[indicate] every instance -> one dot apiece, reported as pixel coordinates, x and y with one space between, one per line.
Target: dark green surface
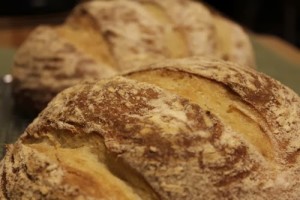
6 58
12 125
277 67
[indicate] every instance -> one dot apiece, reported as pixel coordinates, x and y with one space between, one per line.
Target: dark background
28 7
277 17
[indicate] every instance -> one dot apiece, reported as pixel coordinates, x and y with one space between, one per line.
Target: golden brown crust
277 104
46 64
219 36
101 38
166 141
135 30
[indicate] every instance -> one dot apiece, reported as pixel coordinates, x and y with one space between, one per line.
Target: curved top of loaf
142 30
276 103
102 38
177 148
49 60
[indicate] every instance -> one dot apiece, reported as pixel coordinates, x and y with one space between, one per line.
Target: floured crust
46 64
170 144
102 38
36 173
136 33
219 36
278 104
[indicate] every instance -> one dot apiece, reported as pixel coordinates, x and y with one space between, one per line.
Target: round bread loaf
179 129
102 38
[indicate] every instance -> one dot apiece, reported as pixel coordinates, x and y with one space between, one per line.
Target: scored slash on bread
179 129
102 38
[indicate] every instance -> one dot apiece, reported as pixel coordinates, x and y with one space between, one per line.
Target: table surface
274 56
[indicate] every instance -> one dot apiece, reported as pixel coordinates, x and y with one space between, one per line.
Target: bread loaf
102 38
179 129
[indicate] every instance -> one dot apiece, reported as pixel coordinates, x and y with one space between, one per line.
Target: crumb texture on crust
148 140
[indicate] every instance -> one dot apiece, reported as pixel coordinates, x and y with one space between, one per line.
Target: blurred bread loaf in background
178 129
102 38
